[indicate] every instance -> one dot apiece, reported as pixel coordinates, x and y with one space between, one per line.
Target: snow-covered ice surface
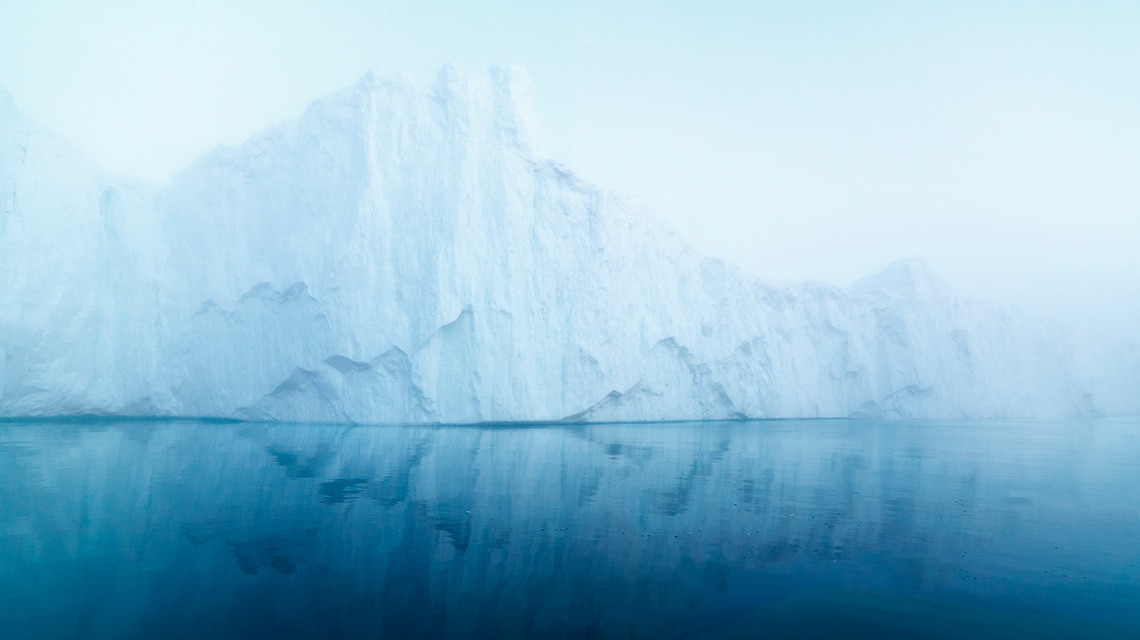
402 253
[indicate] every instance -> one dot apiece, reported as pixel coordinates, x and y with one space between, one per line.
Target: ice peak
375 79
513 82
904 278
503 95
516 92
498 102
7 105
505 81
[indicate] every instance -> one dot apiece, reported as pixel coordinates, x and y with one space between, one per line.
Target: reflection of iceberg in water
204 530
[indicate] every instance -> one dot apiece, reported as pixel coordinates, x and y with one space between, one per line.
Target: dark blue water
799 529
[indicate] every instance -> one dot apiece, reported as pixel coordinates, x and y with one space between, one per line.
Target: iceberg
403 253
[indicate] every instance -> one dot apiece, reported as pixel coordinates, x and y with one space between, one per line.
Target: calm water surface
796 529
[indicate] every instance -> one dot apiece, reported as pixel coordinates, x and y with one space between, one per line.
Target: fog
820 141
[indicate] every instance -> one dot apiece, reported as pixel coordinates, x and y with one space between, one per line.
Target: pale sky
800 140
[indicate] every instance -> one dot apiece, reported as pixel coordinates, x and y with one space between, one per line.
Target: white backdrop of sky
800 140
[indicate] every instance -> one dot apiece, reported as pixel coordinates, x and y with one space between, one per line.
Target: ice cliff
402 253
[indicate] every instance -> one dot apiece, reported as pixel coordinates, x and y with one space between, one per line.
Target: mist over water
738 529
